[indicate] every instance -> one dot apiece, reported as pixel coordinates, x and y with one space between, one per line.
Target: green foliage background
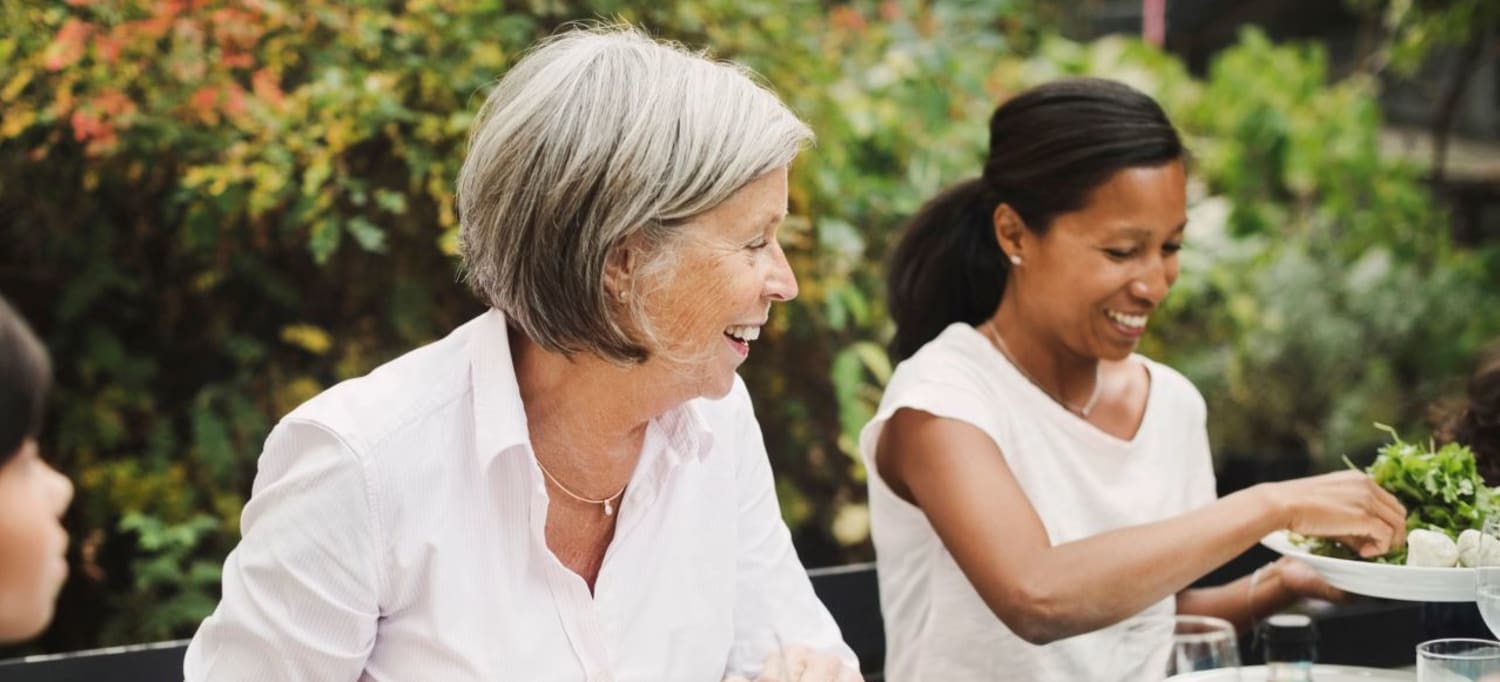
213 209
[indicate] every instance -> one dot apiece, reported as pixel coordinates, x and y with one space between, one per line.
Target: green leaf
369 237
324 240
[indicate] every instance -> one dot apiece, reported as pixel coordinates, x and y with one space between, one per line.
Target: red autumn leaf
234 99
265 86
112 103
87 125
68 45
204 102
107 48
102 143
168 9
236 29
237 60
150 29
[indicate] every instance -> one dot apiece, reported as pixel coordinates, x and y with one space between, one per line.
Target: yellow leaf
307 337
16 84
15 122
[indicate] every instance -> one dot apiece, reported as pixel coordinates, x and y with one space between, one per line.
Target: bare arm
1042 592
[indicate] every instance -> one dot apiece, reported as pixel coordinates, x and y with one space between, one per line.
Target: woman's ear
620 270
1009 229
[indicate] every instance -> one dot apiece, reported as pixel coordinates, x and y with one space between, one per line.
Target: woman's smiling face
728 270
1093 279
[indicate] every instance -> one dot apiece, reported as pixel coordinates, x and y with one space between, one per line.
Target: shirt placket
576 609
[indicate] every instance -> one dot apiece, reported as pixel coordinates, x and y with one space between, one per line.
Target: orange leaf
234 99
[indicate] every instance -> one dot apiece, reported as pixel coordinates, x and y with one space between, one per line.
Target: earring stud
1015 260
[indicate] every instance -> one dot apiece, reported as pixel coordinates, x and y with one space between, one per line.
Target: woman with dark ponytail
1037 488
1477 423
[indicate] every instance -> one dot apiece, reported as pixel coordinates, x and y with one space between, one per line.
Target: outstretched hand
1302 581
1346 505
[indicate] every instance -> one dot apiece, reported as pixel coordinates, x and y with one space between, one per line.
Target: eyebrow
1143 233
772 220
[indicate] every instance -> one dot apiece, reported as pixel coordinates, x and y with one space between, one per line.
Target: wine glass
1179 644
1487 577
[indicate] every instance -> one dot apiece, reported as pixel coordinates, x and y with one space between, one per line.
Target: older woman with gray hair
573 485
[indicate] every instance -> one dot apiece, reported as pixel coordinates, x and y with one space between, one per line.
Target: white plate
1409 583
1321 673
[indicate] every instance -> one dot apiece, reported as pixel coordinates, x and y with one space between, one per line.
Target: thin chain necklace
608 502
994 334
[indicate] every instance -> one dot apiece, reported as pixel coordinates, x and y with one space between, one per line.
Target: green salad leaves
1441 489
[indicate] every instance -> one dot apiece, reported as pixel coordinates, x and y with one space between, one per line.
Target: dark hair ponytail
1477 425
1050 148
25 377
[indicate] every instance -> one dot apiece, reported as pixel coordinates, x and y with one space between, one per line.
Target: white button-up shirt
395 533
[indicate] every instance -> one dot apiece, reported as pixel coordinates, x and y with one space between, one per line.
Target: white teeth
744 333
1132 321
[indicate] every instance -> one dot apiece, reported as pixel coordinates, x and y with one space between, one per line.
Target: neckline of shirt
500 417
1058 414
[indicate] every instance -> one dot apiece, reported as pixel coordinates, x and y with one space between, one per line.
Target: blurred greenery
1414 28
214 209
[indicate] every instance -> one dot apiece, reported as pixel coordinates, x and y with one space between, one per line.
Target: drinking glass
1174 645
1458 660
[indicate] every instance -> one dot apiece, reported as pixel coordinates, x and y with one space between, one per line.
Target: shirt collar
686 432
499 416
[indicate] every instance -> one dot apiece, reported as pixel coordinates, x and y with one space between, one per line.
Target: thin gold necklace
993 333
608 502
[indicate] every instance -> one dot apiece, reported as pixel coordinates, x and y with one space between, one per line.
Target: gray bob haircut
598 135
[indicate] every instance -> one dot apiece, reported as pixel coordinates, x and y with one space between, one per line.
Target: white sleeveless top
1081 480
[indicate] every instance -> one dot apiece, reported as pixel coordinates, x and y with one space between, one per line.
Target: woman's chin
717 389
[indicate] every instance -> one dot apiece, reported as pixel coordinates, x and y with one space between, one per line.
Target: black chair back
155 662
852 595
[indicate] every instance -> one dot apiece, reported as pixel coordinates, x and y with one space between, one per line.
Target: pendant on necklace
608 509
